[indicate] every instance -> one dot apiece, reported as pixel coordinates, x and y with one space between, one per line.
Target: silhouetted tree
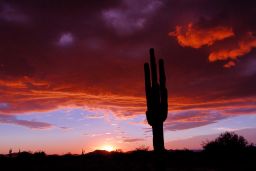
157 100
227 142
10 152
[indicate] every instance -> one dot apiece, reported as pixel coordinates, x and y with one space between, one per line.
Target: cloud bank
101 49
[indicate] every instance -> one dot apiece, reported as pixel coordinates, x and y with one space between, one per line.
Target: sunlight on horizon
108 148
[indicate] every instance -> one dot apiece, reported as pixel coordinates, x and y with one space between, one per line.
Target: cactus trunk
157 100
158 137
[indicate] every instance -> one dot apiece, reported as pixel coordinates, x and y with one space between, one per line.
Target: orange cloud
21 99
243 47
196 37
29 95
230 64
22 83
39 96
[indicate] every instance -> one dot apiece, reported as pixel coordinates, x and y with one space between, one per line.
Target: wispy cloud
133 140
8 119
94 116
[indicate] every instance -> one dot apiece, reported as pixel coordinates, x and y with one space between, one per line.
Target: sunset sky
71 72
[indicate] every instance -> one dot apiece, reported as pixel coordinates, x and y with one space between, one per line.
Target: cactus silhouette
157 100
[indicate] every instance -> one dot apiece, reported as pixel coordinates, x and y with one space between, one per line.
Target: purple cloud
66 39
10 119
191 119
133 139
130 16
10 14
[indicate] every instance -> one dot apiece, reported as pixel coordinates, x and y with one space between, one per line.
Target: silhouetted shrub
227 142
118 151
24 154
142 148
40 154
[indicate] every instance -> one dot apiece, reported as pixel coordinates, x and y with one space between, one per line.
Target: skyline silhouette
228 151
72 77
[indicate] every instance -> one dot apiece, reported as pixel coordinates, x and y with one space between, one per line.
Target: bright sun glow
108 148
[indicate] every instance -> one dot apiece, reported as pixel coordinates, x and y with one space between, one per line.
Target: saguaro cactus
157 100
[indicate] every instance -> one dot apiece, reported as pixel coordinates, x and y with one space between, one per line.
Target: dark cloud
131 15
9 13
91 54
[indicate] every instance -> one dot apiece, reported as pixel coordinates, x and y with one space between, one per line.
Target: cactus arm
164 105
155 90
147 84
149 118
163 91
153 67
148 93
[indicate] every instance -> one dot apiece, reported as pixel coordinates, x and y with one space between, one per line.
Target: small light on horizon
107 148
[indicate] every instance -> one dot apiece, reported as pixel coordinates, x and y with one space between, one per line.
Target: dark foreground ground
136 160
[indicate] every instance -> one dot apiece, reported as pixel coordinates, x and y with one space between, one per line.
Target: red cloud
196 37
244 45
28 95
